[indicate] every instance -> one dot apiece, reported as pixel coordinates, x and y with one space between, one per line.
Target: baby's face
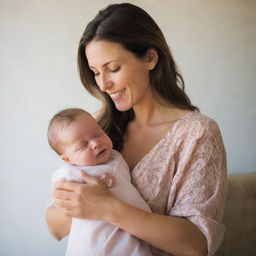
85 143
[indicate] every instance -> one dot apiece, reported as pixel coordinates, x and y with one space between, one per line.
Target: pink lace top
185 175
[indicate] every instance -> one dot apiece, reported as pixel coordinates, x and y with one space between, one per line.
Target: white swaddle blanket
97 237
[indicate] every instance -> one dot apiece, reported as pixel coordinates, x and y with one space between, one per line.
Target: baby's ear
64 158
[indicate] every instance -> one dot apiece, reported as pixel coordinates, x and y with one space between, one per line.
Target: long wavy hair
137 32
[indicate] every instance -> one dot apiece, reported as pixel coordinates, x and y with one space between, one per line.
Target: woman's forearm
58 224
91 200
174 235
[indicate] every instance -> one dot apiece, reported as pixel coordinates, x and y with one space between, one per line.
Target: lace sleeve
200 182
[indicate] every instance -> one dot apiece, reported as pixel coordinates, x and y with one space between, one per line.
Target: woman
175 154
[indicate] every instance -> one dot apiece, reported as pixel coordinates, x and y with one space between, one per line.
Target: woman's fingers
62 194
89 179
67 212
66 185
75 186
107 179
62 203
82 200
65 206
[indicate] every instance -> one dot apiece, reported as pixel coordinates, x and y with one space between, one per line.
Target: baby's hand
107 180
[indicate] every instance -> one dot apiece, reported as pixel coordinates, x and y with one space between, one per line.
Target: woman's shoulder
195 117
195 124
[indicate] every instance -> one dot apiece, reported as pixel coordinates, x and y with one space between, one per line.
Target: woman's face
120 73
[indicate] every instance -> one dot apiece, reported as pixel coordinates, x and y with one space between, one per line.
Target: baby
75 135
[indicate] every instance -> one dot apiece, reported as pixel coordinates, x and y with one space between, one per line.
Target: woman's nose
105 83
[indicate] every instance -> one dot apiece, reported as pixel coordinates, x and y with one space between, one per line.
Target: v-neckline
153 149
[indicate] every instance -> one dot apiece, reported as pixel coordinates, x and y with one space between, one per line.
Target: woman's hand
89 200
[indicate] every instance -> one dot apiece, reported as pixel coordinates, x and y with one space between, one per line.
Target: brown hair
136 31
62 119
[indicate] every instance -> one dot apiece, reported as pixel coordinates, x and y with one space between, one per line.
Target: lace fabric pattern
185 175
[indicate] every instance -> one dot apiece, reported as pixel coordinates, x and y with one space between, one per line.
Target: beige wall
213 42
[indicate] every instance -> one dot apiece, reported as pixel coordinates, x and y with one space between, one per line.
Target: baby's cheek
109 142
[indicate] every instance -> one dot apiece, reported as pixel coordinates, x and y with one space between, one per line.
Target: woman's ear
151 58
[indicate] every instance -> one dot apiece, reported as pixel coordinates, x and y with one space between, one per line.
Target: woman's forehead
104 52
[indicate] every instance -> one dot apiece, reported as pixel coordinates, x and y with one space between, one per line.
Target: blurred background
213 43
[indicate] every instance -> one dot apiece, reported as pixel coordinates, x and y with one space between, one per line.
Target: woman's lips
117 95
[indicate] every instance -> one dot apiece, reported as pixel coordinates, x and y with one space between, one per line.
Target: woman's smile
117 95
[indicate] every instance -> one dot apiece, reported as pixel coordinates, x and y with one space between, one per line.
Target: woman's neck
152 113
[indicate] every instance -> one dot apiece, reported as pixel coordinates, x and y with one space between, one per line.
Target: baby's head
77 138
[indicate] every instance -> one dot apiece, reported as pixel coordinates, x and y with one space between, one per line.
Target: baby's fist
107 180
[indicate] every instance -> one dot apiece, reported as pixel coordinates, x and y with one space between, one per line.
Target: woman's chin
122 107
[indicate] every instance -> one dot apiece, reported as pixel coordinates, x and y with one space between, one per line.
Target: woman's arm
58 223
175 235
93 201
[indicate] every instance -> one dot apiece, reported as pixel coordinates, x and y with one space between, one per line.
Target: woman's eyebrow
105 64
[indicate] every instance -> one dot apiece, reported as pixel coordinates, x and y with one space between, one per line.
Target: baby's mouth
101 152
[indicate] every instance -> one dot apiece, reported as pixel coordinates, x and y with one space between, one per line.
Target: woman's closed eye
115 69
96 74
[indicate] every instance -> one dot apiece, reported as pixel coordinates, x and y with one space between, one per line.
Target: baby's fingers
108 180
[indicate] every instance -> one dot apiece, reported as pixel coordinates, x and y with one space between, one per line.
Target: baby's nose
95 144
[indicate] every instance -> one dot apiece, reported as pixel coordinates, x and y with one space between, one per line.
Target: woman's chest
150 156
153 176
139 142
135 149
